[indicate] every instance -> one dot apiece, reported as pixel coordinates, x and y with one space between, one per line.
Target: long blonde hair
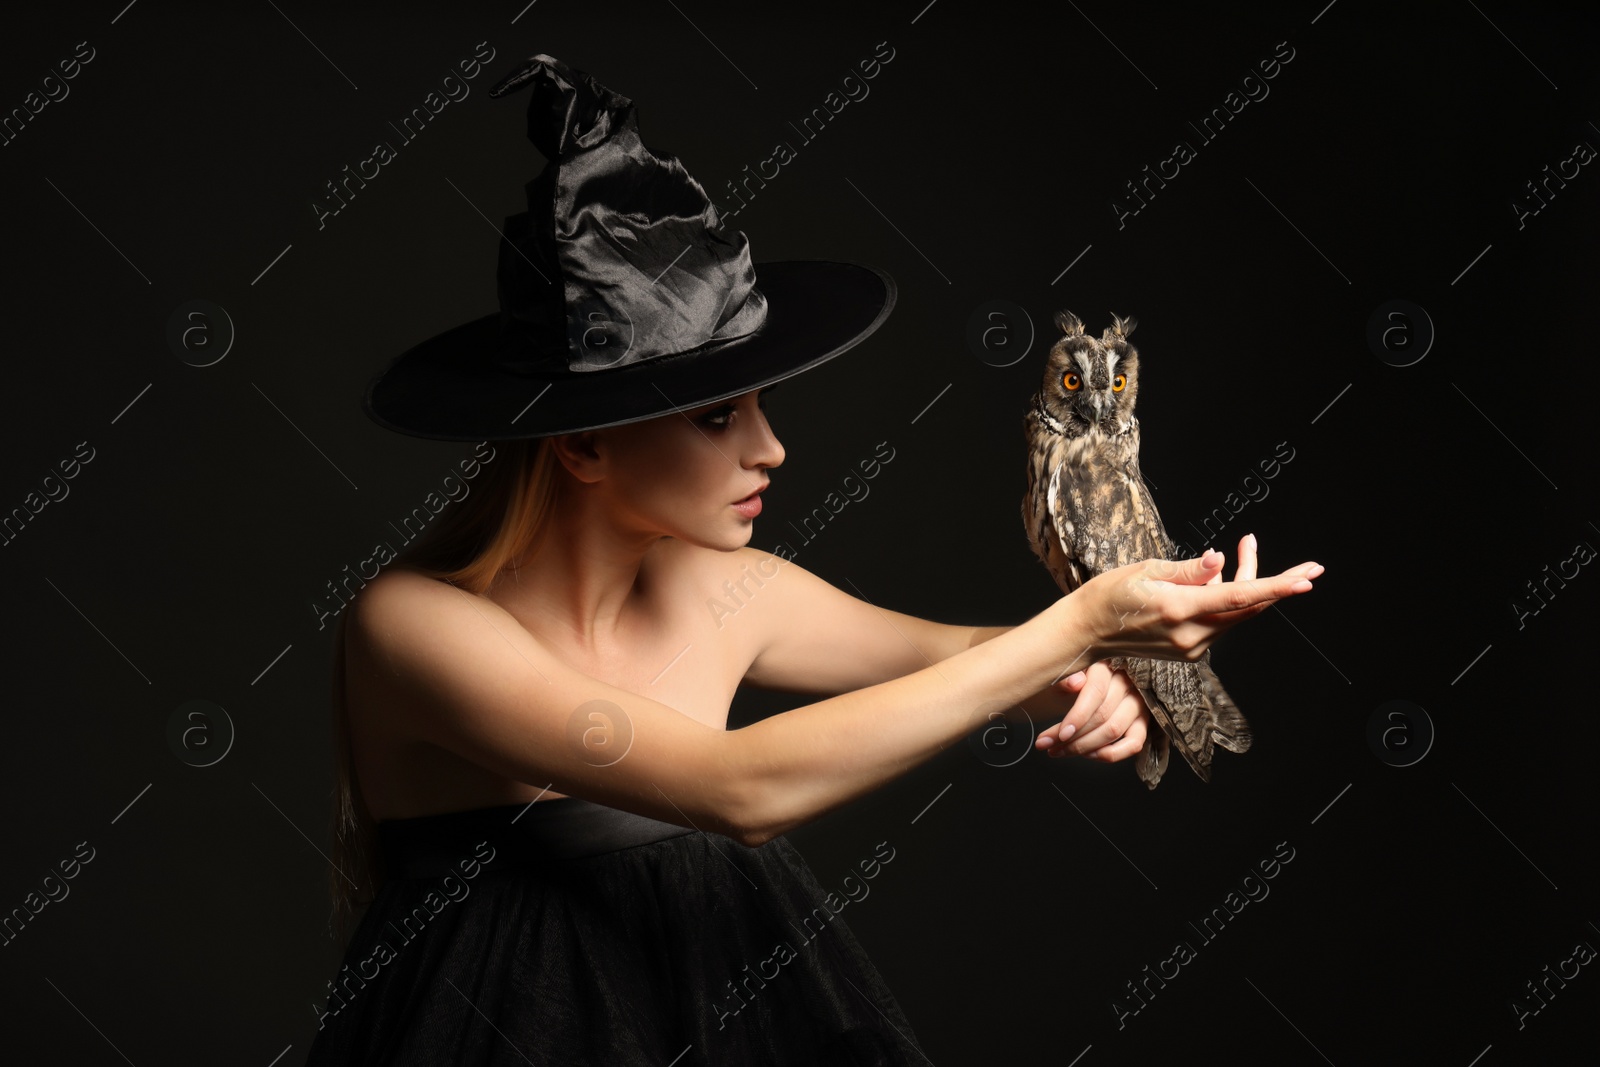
468 546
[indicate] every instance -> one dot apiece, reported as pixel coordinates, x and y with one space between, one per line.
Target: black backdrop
986 166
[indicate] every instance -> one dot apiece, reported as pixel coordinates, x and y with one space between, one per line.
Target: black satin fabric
624 294
621 257
582 935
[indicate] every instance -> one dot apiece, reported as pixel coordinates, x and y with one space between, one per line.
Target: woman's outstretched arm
813 637
882 731
459 673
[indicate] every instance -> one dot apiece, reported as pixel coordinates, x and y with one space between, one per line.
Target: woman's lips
750 506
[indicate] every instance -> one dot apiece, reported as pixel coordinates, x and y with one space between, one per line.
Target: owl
1088 510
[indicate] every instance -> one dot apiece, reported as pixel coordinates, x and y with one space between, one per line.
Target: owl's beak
1098 400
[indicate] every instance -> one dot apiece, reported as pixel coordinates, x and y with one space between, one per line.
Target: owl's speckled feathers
1088 510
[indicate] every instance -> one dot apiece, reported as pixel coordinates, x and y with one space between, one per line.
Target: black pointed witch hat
622 295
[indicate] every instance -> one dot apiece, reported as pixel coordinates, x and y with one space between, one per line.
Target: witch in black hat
566 856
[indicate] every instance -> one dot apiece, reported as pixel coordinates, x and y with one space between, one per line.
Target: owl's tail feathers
1151 763
1228 726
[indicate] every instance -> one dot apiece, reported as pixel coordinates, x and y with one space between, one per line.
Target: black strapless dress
567 933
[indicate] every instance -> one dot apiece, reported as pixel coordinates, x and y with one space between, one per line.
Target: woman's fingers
1072 683
1246 571
1115 725
1174 609
1232 597
1209 611
1111 706
1096 697
1303 570
1095 701
1129 745
1247 559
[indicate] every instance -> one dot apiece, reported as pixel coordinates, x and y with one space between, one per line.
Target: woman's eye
722 417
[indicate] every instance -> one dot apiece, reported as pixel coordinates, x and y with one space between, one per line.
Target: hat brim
441 390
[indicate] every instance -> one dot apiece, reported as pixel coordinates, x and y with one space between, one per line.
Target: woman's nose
768 450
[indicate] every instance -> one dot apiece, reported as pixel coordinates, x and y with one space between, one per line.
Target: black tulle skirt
568 933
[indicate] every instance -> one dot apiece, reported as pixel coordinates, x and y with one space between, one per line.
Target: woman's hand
1166 609
1108 721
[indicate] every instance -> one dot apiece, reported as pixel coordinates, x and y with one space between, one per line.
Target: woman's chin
724 537
739 535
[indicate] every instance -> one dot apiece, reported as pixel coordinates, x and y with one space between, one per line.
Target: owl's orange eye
1118 383
1072 382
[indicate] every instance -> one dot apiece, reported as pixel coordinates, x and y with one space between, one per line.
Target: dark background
985 160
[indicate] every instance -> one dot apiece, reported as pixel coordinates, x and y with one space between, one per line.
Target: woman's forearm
980 634
1050 704
803 763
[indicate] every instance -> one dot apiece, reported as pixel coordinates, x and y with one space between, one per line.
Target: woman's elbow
752 816
759 802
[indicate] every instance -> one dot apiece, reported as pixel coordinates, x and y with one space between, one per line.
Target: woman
573 860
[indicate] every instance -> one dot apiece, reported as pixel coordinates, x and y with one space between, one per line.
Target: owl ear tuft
1071 325
1120 327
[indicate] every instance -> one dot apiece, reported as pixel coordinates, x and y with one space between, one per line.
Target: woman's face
681 474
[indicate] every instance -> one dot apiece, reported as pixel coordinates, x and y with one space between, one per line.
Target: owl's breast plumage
1089 508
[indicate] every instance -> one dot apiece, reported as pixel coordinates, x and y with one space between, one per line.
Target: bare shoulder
691 572
397 595
403 612
728 582
725 599
469 706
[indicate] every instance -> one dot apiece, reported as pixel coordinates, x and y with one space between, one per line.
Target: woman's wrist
1073 621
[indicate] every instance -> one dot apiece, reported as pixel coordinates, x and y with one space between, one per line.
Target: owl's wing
1118 505
1104 518
1144 505
1151 762
1070 572
1186 699
1171 690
